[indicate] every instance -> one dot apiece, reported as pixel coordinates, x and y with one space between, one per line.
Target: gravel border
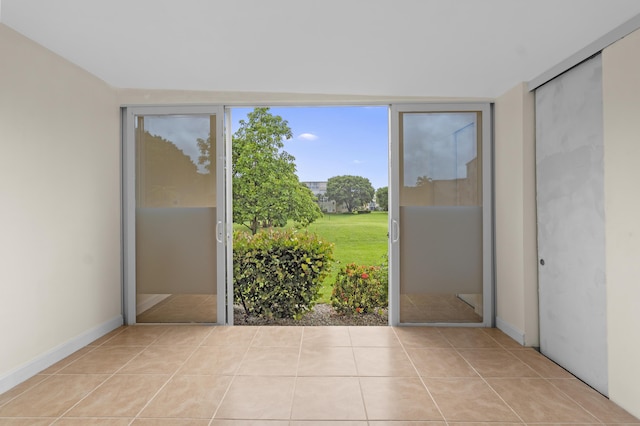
321 314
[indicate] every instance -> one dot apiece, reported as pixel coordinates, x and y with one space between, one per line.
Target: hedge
278 274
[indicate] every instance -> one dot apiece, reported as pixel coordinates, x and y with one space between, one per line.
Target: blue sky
333 141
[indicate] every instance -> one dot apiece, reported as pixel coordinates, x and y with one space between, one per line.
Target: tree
352 191
266 189
382 198
423 180
170 176
305 207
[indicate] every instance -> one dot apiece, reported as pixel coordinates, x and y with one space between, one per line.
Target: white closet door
571 234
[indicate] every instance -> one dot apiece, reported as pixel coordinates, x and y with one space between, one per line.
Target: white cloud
307 136
358 161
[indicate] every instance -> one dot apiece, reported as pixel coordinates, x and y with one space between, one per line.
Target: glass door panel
439 213
177 220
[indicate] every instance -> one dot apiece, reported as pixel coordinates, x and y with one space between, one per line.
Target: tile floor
414 308
182 308
434 307
306 376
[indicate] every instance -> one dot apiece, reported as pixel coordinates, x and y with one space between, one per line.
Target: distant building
319 189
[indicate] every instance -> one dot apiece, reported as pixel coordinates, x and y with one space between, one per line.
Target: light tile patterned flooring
182 308
306 376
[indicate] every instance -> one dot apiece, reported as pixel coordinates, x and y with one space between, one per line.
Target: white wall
60 207
516 251
621 109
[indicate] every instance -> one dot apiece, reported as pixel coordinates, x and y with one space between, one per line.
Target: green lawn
358 238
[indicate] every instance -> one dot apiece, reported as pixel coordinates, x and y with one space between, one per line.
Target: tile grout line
164 385
548 380
404 349
573 377
536 376
295 378
49 376
110 376
355 363
484 380
57 372
235 374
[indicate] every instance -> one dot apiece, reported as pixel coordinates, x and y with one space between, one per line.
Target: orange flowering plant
360 289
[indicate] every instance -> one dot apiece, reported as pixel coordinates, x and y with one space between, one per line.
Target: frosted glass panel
440 217
175 256
175 218
446 242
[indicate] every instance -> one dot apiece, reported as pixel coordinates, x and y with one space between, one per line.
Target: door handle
218 232
395 231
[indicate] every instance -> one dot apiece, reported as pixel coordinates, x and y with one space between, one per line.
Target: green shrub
278 274
361 289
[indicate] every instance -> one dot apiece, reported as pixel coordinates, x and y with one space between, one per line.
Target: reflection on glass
440 217
175 219
440 159
174 162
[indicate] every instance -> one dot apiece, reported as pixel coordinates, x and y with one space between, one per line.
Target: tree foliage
266 189
352 191
423 180
382 198
170 176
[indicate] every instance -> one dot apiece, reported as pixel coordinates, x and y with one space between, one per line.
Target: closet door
571 237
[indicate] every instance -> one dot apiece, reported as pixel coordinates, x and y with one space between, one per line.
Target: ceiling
436 48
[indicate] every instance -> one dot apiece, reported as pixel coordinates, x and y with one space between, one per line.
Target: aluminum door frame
488 281
128 155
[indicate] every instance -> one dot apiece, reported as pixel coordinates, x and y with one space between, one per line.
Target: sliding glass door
177 215
174 215
441 237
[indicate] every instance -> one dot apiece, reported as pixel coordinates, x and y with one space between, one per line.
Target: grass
358 238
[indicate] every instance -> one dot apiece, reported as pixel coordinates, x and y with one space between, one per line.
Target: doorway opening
338 156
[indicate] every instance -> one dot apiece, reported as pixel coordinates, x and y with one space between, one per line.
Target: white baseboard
47 359
510 331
